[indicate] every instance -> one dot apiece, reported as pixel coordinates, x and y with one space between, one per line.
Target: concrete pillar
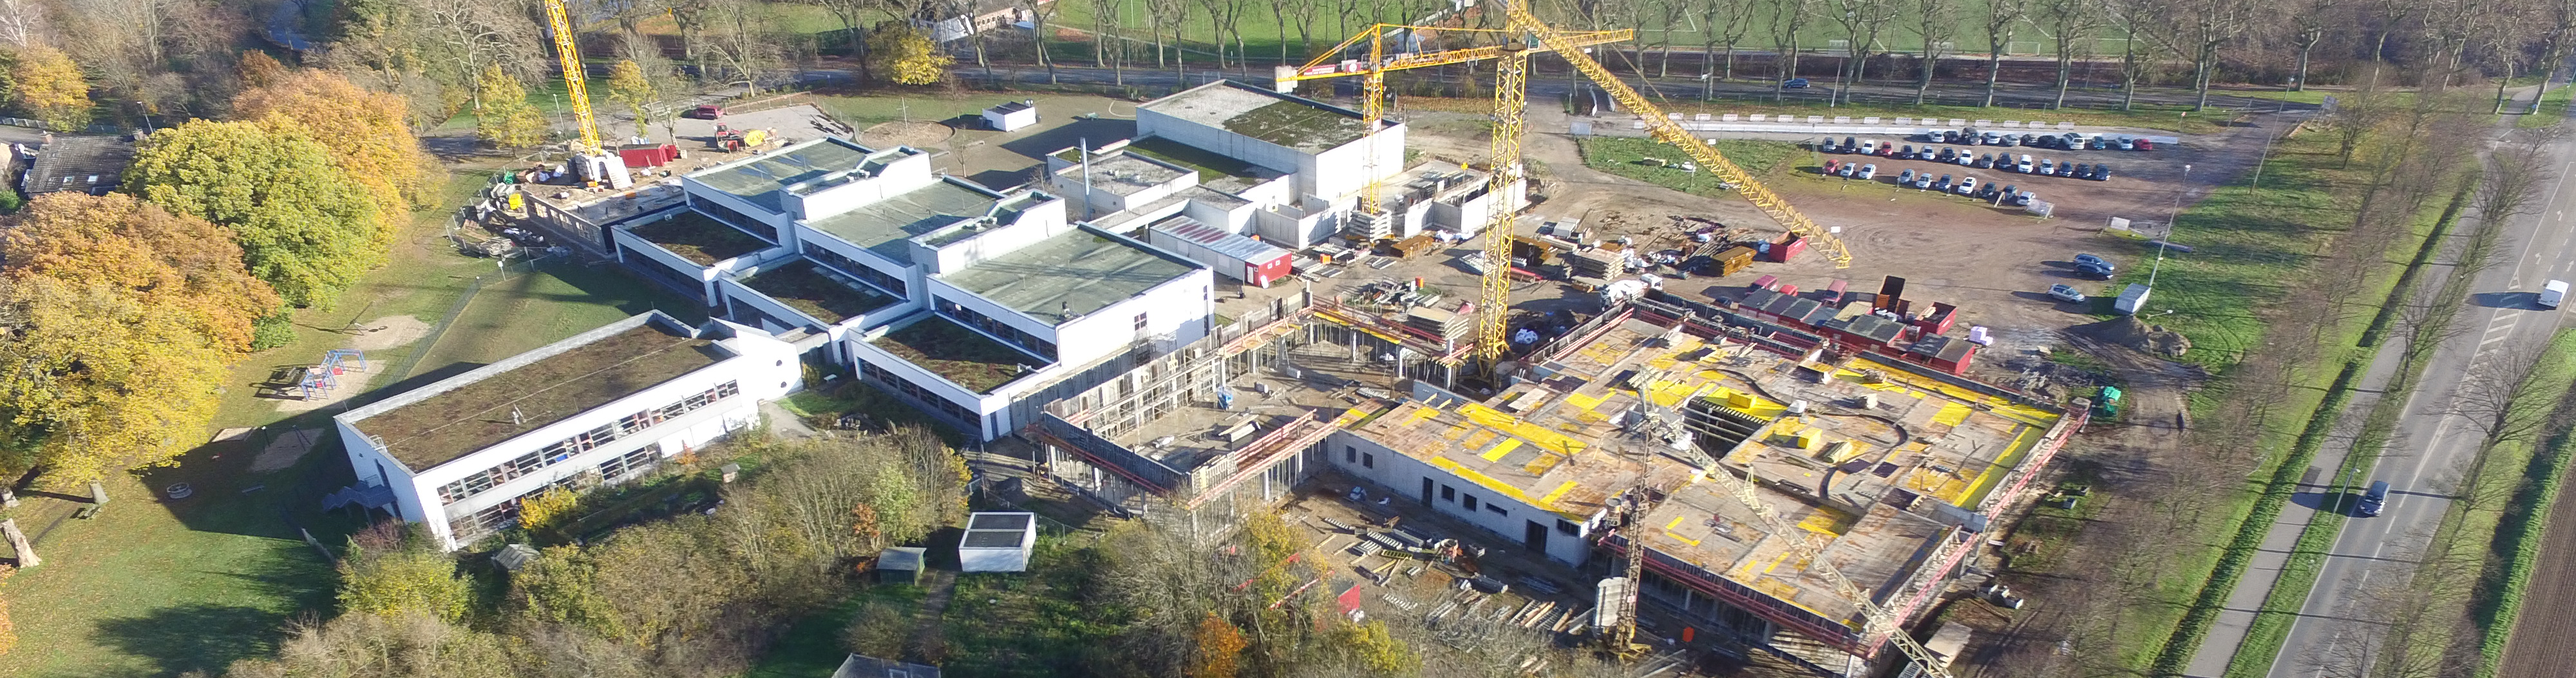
18 542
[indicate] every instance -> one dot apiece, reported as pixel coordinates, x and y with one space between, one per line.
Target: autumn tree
547 511
408 576
305 227
365 131
51 87
94 380
180 264
1217 646
628 86
905 55
504 117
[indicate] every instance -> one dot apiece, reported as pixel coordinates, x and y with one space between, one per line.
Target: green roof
699 238
806 287
977 362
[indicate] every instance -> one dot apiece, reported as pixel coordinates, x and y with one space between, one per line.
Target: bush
271 331
879 629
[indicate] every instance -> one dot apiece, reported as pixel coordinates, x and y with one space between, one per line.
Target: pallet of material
1439 323
1599 263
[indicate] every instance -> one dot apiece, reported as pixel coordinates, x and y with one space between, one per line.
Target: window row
926 396
585 441
970 318
858 270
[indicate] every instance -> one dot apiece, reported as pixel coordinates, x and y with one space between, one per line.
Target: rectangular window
1498 509
1350 455
1140 321
1467 500
858 270
1448 493
1368 460
1565 526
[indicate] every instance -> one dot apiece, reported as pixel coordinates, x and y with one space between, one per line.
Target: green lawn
162 587
2553 108
1624 156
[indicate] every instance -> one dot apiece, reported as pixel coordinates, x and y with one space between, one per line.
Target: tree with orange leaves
184 264
1217 647
363 129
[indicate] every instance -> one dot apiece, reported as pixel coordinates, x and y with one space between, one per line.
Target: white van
2552 293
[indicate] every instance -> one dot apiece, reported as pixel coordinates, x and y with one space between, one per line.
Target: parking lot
1995 262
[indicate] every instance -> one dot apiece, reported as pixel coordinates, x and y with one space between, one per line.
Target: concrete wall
1035 224
1150 122
1231 218
1392 471
895 178
1180 308
940 289
1342 170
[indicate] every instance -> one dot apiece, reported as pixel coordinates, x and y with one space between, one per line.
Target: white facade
1501 511
465 497
997 542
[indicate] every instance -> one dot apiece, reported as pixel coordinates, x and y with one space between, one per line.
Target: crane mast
574 87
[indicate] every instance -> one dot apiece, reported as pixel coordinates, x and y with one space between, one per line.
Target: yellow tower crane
570 54
1338 62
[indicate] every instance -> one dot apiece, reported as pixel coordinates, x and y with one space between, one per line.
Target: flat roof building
458 454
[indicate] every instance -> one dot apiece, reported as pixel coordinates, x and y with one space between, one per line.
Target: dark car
1907 152
2008 191
2101 173
2029 139
2082 172
705 112
1943 184
1947 154
1794 83
1984 161
2373 500
1947 137
2094 271
1987 192
1850 143
2098 144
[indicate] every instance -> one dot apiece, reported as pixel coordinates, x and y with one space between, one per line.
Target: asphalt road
2433 444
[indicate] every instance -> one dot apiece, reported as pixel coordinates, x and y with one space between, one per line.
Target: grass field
2553 108
162 587
1624 156
2516 547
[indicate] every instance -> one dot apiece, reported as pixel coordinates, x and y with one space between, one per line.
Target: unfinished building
1874 477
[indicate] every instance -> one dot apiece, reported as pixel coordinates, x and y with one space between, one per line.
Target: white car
2553 293
1867 171
1967 186
2066 293
2024 166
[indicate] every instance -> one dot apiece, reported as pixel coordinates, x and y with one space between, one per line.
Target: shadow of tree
195 637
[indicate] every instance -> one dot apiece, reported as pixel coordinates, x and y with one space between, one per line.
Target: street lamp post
2171 216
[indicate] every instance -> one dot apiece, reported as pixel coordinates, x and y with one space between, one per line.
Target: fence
507 270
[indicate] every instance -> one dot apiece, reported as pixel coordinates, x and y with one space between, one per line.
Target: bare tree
22 22
1861 20
2072 23
2002 17
1936 21
1721 21
1787 19
2307 24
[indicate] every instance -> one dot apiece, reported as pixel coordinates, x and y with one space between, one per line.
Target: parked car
1949 136
2097 143
1987 193
2372 500
1848 170
2029 139
2022 199
1963 160
1927 154
1905 178
1847 144
2553 293
1887 150
2101 173
1967 186
1827 146
1922 181
2066 293
2128 143
2094 271
1869 171
1943 185
2008 192
1831 165
2048 166
1794 83
1947 153
2082 172
705 112
1984 161
1907 152
2095 259
2146 144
